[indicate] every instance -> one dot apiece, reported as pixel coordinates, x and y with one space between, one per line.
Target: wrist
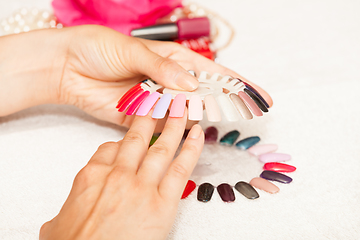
31 66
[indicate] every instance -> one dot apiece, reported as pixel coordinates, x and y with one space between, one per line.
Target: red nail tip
136 104
279 167
128 94
130 100
190 186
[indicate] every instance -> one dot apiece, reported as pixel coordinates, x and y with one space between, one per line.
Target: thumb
165 71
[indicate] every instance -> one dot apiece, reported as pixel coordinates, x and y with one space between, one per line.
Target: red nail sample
130 99
279 167
128 94
190 186
136 104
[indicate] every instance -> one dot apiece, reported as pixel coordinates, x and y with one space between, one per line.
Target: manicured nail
275 176
247 190
186 81
241 106
264 184
274 157
226 192
211 135
205 192
195 108
146 106
247 142
279 167
263 148
190 186
229 138
162 106
195 132
250 104
135 105
212 109
178 106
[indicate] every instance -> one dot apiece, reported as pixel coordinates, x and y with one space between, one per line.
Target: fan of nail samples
233 96
265 153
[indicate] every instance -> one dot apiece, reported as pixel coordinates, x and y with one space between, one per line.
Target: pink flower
121 15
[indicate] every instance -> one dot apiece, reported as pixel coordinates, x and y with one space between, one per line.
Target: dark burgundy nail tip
226 192
258 102
205 192
211 135
247 190
275 176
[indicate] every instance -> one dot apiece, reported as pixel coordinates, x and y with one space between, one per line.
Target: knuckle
134 137
179 170
117 173
109 146
86 174
160 149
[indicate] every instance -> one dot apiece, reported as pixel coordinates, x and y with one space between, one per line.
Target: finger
136 142
106 153
162 152
173 184
164 70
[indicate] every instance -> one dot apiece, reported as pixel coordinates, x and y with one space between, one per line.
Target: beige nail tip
212 109
264 184
241 106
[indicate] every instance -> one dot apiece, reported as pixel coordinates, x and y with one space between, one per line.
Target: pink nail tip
264 184
263 148
178 106
250 104
195 108
274 157
146 106
132 109
279 167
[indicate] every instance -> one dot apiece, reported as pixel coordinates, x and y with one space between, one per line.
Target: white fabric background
305 53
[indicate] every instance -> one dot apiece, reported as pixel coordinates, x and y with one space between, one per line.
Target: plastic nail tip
229 138
247 190
195 108
275 176
153 140
247 142
146 106
130 100
127 94
226 192
241 106
230 112
212 109
211 135
205 192
261 149
250 104
248 86
274 157
279 167
265 185
178 106
190 186
258 102
192 72
132 109
162 106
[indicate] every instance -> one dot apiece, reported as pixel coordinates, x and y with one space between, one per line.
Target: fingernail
186 81
195 132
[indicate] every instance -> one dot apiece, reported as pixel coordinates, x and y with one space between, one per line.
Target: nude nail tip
226 192
279 167
263 184
178 106
146 106
275 176
261 149
274 157
195 108
247 190
212 109
241 106
205 192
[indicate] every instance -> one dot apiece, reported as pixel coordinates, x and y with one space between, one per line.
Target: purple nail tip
226 192
162 106
275 176
211 135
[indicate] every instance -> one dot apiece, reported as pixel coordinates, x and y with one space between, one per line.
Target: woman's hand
127 190
91 67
